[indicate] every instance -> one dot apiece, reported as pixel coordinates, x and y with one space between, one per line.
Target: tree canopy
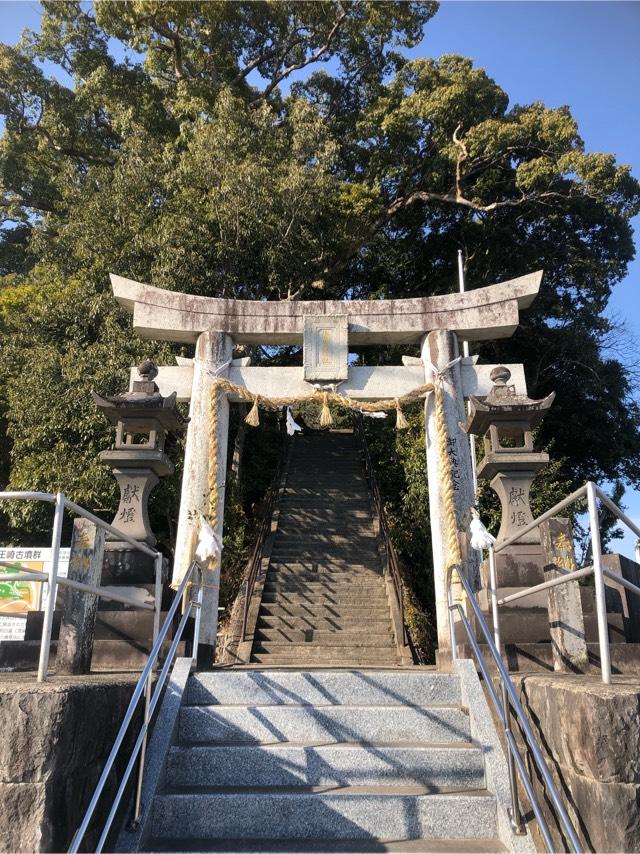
286 150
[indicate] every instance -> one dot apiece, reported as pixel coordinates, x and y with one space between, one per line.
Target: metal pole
465 353
637 549
452 620
516 815
601 601
493 581
147 694
198 617
158 595
47 623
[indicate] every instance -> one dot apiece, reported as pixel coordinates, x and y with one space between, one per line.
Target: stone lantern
506 421
142 418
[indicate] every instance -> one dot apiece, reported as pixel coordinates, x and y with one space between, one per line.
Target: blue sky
584 54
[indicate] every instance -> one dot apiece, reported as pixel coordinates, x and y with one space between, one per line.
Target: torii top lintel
479 315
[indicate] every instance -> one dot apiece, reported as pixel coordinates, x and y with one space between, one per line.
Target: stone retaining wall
590 734
55 740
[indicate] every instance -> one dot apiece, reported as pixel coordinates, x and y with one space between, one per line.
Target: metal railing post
493 581
147 694
198 617
601 598
452 622
158 561
516 815
47 622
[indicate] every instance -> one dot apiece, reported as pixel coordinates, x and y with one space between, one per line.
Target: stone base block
56 737
590 733
124 565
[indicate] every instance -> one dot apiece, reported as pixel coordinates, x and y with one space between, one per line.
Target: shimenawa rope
223 385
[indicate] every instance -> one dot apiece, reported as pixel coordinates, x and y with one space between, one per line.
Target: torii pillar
439 349
212 357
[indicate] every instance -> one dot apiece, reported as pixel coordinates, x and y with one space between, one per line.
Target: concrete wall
55 739
590 734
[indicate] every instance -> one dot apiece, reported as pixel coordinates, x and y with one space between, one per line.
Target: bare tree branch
314 57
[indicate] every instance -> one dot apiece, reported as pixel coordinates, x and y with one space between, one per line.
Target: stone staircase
323 760
325 599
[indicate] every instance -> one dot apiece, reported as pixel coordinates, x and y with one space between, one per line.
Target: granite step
325 687
345 660
455 766
271 724
331 846
353 813
298 655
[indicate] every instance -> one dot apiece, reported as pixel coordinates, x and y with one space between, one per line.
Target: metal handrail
592 492
252 567
510 704
143 687
61 502
393 562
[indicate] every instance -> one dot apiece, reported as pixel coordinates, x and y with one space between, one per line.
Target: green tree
288 150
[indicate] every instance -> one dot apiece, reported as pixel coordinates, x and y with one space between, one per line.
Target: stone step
280 571
319 624
317 637
356 599
353 813
346 524
333 499
328 555
330 846
276 723
345 659
315 653
332 578
415 687
325 518
280 568
329 562
436 766
315 601
331 536
325 611
327 583
349 551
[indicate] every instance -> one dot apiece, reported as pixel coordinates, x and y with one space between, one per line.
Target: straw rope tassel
253 416
401 421
325 415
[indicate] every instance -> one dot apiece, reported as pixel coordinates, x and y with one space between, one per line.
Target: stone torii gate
326 328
